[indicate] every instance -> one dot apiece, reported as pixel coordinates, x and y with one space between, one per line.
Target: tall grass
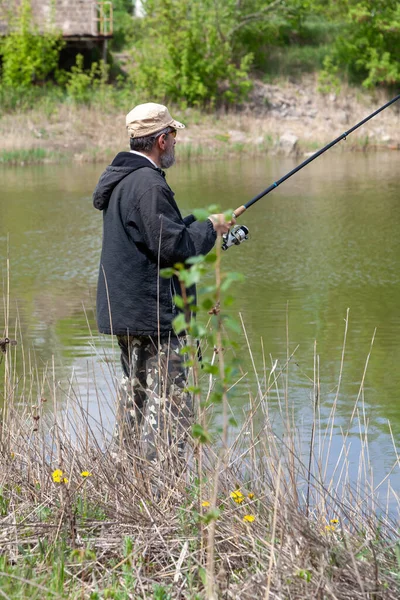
264 518
29 155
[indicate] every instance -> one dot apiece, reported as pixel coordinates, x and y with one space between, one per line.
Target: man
143 232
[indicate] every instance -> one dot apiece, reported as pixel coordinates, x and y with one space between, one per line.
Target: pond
323 245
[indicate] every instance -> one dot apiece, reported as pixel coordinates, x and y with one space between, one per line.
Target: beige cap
146 119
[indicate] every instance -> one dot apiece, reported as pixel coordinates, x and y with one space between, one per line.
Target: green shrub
367 50
27 56
184 56
81 84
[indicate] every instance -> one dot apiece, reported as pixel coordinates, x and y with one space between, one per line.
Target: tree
369 45
192 50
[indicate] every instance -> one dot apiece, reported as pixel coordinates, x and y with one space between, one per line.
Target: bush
368 48
184 55
28 57
81 84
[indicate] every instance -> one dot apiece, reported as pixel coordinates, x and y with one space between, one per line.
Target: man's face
167 158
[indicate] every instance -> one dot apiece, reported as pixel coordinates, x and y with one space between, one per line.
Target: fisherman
143 232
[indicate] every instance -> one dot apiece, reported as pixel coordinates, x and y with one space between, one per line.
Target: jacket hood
122 165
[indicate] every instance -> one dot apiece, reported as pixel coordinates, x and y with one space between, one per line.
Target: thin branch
261 14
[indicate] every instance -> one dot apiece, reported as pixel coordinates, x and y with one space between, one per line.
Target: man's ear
162 141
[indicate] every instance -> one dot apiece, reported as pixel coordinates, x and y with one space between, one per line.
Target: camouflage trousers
154 409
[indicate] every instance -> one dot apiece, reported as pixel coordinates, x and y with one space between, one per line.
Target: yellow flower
248 518
86 474
329 528
58 476
250 496
237 496
334 521
205 503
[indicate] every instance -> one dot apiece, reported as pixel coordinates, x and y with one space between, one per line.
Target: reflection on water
323 242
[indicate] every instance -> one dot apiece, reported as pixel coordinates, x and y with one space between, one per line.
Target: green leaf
208 289
178 301
201 434
189 363
195 260
228 213
203 576
197 330
187 349
215 397
207 304
193 389
230 278
191 277
209 368
167 273
211 515
194 330
228 301
179 324
201 214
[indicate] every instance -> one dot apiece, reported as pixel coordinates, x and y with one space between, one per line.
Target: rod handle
239 211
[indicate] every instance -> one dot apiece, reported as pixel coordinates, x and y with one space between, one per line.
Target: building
82 23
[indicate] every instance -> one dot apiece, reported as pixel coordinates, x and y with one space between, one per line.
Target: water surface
325 241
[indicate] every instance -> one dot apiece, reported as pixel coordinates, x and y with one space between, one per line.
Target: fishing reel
235 236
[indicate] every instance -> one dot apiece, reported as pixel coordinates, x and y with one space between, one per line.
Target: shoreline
286 119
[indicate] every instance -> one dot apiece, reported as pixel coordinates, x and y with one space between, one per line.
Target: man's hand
220 224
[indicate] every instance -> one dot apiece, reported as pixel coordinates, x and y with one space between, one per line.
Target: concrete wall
72 17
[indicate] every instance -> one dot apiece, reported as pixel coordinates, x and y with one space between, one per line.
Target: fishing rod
240 233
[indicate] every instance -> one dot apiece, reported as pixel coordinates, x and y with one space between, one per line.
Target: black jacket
143 231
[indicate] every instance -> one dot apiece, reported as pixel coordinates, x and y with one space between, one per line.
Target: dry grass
97 132
135 530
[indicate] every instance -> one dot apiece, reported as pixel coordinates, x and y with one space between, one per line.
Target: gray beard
167 159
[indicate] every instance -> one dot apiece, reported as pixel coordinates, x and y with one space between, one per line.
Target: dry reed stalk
292 502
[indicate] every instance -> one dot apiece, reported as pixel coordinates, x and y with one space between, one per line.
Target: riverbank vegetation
209 60
208 49
265 509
